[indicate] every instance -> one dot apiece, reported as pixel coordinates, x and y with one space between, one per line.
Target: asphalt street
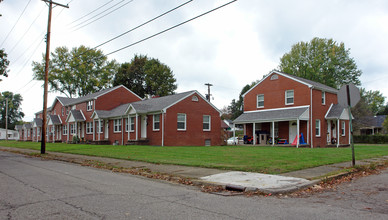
32 188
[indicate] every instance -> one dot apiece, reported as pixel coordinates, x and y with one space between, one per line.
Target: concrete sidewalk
283 183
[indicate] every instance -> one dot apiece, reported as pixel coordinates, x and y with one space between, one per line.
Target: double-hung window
89 106
318 128
206 123
260 101
72 129
117 125
289 97
181 125
130 125
99 126
343 128
323 98
89 127
156 124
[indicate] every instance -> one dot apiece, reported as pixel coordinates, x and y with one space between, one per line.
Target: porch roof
54 120
75 116
284 114
38 122
116 112
337 111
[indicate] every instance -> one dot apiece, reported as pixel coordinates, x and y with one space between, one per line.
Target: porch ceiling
286 114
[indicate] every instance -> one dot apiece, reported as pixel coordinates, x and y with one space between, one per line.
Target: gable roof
64 100
77 115
149 105
309 83
54 119
96 95
268 115
372 121
38 122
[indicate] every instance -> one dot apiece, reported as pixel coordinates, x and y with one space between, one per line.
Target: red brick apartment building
119 116
282 107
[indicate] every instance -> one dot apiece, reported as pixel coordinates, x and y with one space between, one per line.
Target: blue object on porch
301 140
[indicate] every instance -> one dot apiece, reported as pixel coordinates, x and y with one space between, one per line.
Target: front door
292 131
106 132
143 119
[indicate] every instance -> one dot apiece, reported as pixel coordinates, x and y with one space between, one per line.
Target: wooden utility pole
6 119
43 143
208 91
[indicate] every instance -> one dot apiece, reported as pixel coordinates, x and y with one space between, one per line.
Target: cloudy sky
229 48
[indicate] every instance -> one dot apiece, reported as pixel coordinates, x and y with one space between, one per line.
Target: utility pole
43 143
6 119
208 91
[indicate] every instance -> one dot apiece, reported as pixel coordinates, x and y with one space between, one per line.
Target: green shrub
371 139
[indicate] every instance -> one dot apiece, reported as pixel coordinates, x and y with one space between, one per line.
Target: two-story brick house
283 107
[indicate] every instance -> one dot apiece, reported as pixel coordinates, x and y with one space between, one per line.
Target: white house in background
12 134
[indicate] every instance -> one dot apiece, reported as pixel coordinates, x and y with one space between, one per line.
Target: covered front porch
276 127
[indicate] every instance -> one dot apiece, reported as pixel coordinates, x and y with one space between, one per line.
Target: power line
91 12
15 23
149 21
168 29
101 16
39 14
36 48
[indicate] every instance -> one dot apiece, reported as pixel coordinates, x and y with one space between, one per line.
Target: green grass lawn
272 160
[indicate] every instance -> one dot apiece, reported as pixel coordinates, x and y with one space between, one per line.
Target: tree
236 107
385 124
374 99
146 76
78 72
384 110
4 62
321 60
15 113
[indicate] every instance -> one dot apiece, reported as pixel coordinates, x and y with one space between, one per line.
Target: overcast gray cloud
229 48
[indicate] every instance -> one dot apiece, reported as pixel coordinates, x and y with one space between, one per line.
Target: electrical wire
90 12
15 23
170 28
100 14
149 21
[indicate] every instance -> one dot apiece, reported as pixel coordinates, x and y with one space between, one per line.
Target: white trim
343 128
162 129
331 105
274 109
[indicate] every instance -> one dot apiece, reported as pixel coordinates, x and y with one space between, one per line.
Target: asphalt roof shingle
269 115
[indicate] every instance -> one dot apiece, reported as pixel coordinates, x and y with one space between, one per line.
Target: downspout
311 116
94 129
122 130
338 137
273 133
297 133
68 131
129 126
137 126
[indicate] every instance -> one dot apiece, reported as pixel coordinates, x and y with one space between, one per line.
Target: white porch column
297 133
76 129
94 130
234 131
53 133
245 129
137 126
68 131
308 133
129 126
338 137
122 131
254 134
99 129
273 133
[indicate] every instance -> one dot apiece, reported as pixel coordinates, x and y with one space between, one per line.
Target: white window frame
323 97
287 97
72 129
317 127
132 124
154 122
89 105
117 125
261 101
63 111
185 121
89 127
209 122
343 124
99 129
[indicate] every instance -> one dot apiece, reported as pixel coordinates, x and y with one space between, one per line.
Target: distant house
370 125
283 107
118 116
12 134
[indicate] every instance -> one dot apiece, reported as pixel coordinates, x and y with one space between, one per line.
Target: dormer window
89 106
